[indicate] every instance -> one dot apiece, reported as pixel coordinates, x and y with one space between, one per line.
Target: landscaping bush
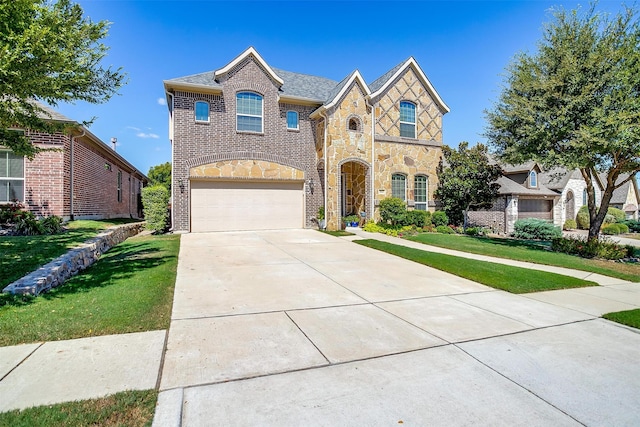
633 225
439 218
475 231
393 211
618 214
25 223
617 228
372 227
51 224
582 218
9 211
614 215
418 218
535 229
570 224
444 229
594 248
155 200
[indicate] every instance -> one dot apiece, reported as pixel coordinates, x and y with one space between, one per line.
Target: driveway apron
301 328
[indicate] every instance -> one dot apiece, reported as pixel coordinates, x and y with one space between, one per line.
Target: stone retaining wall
62 268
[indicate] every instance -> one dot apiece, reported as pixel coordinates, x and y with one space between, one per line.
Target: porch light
311 185
181 185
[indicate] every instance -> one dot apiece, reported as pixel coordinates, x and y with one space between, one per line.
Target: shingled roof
50 113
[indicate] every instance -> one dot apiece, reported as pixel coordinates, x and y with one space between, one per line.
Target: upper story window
202 111
292 120
354 124
399 186
11 176
248 112
533 179
407 119
420 192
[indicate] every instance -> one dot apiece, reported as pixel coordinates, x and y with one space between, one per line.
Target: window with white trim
584 197
292 120
533 179
202 111
407 119
420 192
399 186
11 176
248 112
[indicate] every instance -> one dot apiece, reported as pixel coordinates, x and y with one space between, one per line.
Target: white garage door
243 205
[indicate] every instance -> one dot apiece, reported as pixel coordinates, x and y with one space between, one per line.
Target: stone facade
348 141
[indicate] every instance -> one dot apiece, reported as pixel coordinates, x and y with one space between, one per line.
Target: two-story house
256 147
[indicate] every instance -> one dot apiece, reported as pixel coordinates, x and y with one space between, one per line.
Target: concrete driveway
301 328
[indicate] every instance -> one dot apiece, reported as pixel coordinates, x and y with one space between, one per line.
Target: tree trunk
465 221
597 214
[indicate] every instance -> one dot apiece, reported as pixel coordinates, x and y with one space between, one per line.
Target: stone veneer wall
58 271
246 169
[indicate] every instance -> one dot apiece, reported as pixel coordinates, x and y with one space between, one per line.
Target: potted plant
322 223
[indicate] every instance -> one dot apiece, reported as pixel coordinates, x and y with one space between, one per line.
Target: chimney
114 140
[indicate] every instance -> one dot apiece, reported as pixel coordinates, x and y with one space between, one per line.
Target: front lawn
628 317
511 279
528 251
129 289
23 254
129 408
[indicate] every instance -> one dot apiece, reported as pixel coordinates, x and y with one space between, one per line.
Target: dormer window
533 179
407 119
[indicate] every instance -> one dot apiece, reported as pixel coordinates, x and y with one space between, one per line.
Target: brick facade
92 173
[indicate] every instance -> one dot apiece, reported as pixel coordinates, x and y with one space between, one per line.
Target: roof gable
250 52
383 83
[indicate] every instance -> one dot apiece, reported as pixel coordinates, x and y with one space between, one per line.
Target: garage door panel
240 205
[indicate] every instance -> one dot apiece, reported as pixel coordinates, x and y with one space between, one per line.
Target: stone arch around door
354 187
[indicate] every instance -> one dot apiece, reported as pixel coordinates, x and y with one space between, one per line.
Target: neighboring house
626 197
528 192
80 177
256 147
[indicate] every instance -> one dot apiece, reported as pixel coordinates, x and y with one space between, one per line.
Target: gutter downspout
172 147
71 214
326 171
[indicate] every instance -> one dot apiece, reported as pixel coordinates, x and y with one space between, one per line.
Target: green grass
628 317
528 251
511 279
338 233
20 255
129 408
129 289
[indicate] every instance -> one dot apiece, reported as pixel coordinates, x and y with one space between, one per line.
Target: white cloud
162 101
147 135
133 128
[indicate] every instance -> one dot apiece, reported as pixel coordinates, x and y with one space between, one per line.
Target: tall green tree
50 52
161 175
467 181
575 102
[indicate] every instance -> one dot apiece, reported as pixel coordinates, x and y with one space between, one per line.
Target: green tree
467 181
575 102
160 175
48 52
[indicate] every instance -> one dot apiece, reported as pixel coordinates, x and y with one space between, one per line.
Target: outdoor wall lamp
311 185
181 185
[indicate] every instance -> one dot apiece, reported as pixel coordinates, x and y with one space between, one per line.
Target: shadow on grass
120 263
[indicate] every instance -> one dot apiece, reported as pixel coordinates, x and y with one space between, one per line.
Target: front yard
129 289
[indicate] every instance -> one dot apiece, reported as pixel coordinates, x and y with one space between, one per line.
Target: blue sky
462 46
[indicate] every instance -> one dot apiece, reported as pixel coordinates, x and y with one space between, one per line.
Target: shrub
617 228
155 200
570 224
535 229
25 223
594 248
439 218
372 227
393 211
444 229
9 211
582 218
476 231
633 225
51 224
618 214
613 215
418 218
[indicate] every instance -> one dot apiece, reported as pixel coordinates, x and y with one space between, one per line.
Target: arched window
292 120
248 112
202 111
533 179
399 186
407 119
584 197
420 184
354 124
